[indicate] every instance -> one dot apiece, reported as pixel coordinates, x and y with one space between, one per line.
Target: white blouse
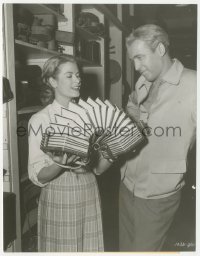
38 123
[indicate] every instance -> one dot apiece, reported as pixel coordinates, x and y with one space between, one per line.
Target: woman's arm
47 174
42 167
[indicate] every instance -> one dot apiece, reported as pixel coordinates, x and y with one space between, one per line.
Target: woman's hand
47 174
64 158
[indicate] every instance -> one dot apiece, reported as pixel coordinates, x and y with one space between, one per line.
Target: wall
6 153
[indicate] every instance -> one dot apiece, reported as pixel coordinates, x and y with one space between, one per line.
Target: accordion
92 125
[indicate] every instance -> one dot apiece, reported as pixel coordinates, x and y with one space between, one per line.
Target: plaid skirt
69 215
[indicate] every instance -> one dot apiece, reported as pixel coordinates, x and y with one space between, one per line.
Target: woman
69 214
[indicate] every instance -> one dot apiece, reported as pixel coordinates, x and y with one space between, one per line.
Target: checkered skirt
69 215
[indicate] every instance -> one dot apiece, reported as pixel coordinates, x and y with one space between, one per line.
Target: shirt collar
142 88
173 75
57 107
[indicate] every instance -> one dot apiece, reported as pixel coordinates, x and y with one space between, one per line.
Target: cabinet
96 80
9 224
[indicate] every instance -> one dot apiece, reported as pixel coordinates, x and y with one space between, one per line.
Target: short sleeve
37 158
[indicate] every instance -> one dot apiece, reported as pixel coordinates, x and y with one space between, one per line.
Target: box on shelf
63 26
46 20
64 37
41 33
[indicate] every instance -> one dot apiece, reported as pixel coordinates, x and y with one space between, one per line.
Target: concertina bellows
89 126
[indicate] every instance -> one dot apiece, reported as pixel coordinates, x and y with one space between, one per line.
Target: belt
78 171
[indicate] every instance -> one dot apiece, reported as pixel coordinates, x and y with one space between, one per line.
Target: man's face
147 62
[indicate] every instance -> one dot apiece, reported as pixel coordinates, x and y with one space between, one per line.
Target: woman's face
67 83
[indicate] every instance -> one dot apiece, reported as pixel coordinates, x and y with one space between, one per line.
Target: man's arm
102 165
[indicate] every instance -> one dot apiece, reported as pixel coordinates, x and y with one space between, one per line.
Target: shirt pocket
165 177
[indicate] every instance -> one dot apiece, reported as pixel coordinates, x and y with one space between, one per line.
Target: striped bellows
92 125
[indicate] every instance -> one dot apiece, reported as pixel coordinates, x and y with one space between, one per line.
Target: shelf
33 51
28 110
43 9
36 52
86 34
111 17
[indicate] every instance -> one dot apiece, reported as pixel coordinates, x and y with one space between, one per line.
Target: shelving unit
86 34
36 52
111 17
98 72
33 51
43 9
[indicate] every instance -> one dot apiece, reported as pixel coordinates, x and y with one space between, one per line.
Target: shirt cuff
95 172
35 168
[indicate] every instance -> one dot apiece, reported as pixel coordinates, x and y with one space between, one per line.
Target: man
165 100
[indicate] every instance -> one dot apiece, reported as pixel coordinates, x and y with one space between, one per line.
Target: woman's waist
71 177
